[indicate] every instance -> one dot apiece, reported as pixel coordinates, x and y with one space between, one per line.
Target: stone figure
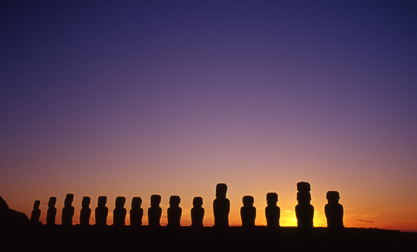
154 212
101 211
68 210
119 212
136 212
85 212
174 211
272 211
334 211
221 207
248 212
304 210
36 213
197 212
51 212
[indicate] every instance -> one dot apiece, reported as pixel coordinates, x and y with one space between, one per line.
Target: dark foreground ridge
145 238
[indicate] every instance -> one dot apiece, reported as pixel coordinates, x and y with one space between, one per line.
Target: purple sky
139 97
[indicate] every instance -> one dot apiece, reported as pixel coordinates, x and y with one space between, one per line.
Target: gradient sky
133 98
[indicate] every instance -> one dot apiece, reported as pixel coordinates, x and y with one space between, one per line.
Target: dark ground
92 238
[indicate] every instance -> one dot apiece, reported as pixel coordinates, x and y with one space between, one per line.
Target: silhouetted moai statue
101 211
197 212
334 211
85 212
68 210
119 213
36 213
136 213
272 211
174 211
304 210
221 207
154 212
51 213
248 212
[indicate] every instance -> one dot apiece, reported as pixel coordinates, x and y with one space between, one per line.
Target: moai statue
272 211
304 210
101 211
36 213
51 213
136 213
68 210
248 212
154 212
221 207
334 211
119 213
174 211
85 211
197 212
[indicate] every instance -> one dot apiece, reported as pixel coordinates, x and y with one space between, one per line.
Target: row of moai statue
221 208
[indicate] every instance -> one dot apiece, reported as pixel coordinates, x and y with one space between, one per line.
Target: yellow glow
319 219
288 219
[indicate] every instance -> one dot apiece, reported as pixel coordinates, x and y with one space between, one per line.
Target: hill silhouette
145 238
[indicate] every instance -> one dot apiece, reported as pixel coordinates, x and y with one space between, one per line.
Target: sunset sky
134 98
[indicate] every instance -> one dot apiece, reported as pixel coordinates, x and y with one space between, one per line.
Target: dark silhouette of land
10 218
111 238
